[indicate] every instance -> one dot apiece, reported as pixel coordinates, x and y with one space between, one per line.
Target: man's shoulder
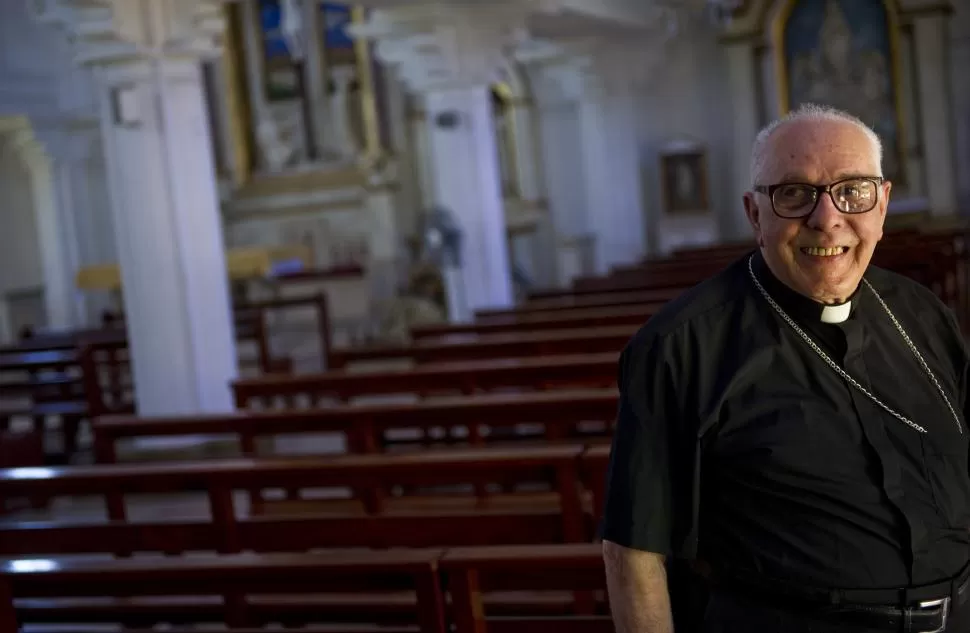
698 304
904 289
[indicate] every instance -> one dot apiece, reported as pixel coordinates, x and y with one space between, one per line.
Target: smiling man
795 426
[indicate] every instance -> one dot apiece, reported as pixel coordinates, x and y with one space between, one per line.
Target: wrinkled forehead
820 151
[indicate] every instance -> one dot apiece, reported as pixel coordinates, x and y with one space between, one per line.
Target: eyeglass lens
849 196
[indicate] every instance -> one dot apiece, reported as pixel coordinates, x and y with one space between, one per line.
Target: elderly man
795 426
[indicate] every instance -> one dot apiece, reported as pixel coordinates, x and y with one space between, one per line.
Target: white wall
687 100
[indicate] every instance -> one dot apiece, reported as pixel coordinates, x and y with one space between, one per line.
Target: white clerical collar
836 314
798 305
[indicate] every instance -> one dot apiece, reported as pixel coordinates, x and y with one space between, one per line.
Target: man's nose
826 215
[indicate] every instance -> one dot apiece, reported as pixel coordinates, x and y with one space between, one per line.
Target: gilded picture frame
845 54
684 180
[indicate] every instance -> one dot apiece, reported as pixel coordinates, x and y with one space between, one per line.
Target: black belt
910 609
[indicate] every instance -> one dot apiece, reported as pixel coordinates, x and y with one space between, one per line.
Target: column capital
17 136
592 67
105 32
436 47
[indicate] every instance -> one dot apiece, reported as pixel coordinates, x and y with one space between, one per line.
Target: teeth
823 252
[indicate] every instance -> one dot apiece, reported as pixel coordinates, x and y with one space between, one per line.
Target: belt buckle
944 604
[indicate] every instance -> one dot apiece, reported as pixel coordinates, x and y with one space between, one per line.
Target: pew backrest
465 377
557 412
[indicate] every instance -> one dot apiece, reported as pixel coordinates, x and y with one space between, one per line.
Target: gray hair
807 112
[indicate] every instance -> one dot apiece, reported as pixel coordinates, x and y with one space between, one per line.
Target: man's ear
753 213
887 188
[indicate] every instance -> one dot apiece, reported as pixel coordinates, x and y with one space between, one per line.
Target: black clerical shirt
737 443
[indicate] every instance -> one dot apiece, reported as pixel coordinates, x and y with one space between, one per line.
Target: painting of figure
684 181
841 53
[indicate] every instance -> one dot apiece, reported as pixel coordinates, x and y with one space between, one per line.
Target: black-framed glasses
798 199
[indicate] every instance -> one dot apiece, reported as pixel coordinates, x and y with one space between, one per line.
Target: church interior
354 368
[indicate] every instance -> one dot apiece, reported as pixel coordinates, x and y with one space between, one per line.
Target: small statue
291 26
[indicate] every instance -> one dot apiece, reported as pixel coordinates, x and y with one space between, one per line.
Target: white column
385 252
467 183
744 126
933 73
316 80
86 209
164 200
528 170
252 51
536 249
422 154
56 254
169 235
451 55
624 231
611 163
343 134
69 218
557 89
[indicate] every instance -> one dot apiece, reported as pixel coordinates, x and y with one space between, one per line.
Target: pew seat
474 572
543 588
294 609
181 590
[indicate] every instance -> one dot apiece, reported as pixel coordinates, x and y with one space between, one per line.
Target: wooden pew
545 505
20 449
262 310
232 578
512 345
570 302
556 414
586 370
403 588
675 280
940 259
471 573
560 320
595 463
249 321
49 376
669 273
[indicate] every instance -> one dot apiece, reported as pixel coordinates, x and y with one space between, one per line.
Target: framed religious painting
845 54
683 179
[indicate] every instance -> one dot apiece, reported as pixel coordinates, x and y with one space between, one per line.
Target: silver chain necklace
842 372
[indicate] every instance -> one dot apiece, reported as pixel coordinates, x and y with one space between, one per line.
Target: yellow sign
242 263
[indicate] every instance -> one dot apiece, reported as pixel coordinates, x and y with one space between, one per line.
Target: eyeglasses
799 200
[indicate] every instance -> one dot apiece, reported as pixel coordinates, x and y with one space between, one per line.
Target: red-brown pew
311 390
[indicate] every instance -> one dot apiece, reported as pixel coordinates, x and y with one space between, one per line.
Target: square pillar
168 230
466 182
